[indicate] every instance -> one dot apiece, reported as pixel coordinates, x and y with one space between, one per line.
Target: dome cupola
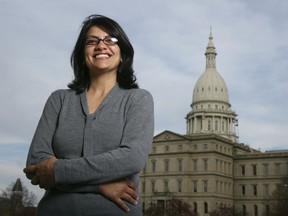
210 86
211 111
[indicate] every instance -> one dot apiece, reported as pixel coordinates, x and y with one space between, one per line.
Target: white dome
211 111
210 87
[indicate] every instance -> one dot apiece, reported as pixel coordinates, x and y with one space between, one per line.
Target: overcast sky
170 39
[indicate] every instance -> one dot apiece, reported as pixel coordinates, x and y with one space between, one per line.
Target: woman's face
100 57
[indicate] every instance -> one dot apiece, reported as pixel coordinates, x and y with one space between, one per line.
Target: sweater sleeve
128 159
41 145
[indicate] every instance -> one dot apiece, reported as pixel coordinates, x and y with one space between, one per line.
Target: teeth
102 56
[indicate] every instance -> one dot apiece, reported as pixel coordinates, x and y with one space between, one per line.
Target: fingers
30 169
35 180
121 192
42 173
122 205
130 199
132 196
131 184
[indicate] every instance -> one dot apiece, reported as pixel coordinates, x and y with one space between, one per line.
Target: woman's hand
120 190
43 173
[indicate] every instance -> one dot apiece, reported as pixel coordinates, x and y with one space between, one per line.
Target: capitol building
207 167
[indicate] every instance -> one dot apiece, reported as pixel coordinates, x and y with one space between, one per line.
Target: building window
143 187
180 166
205 207
166 165
205 184
209 125
195 147
166 186
195 186
265 169
254 167
255 210
266 190
243 170
267 210
195 207
195 165
216 125
166 148
180 147
243 190
205 146
277 168
153 166
244 210
255 190
153 186
179 186
154 149
205 161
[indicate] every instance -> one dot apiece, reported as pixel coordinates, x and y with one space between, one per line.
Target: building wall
209 168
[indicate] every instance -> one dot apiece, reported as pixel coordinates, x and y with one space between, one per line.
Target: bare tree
174 207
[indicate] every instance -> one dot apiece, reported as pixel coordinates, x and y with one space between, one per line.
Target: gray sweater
91 149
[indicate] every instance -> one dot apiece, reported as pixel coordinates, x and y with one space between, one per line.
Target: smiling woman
93 139
125 73
102 58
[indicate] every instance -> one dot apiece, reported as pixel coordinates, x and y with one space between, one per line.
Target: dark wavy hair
125 73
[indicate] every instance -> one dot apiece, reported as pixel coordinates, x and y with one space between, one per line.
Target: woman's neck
101 85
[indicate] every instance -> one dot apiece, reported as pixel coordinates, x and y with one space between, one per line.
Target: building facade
207 167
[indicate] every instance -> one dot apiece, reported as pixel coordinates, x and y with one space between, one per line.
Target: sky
170 38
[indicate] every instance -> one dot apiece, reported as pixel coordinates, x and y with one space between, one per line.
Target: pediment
168 136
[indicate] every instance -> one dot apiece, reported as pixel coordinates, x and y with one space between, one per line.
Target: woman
93 139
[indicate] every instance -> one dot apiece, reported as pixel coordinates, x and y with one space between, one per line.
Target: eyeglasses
110 41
